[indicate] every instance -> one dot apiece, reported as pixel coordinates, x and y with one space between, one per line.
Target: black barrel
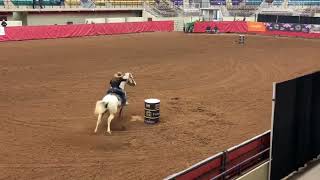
241 39
151 111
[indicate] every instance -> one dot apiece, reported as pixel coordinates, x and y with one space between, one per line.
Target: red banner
64 31
223 26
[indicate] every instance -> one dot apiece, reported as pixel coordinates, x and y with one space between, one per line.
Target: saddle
119 94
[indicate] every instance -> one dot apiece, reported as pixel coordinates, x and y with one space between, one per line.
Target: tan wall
116 20
76 18
14 23
259 173
252 19
135 19
95 20
20 16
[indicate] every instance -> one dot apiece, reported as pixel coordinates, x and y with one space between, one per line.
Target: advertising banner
2 32
315 29
288 27
256 27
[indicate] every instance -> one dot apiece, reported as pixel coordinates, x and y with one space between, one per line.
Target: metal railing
232 162
238 169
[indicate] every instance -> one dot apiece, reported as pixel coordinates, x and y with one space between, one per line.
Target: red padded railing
230 163
67 31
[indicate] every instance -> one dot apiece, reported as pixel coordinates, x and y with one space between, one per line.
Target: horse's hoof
109 132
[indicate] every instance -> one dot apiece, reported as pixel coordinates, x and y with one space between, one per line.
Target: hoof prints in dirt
208 117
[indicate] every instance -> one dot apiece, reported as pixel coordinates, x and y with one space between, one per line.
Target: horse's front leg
98 122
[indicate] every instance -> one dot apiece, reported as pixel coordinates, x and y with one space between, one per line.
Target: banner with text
256 27
2 31
288 27
315 28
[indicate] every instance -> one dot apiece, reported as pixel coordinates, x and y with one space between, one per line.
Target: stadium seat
72 2
217 2
253 2
303 2
126 2
177 2
277 2
30 2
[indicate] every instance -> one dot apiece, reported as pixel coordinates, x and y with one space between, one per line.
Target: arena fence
230 163
275 29
67 31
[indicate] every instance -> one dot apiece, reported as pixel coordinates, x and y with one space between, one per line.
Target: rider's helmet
118 75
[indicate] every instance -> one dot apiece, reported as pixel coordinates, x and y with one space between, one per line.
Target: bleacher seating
217 2
277 2
30 2
122 2
236 2
244 11
253 2
304 2
223 2
72 2
177 2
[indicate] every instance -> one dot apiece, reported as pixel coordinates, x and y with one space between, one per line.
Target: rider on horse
116 89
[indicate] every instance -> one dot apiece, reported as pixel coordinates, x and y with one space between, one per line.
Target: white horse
111 103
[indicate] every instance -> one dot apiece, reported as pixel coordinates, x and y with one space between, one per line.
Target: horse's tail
101 107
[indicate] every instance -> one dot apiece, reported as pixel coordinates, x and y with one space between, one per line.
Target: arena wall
68 31
258 28
229 18
116 20
36 18
178 21
14 23
260 172
135 19
233 162
74 17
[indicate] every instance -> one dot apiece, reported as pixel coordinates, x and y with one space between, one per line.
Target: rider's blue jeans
119 92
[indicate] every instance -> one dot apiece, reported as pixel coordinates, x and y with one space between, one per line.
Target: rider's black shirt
115 82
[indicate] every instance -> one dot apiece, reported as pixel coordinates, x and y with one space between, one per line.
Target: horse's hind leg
98 122
109 122
120 113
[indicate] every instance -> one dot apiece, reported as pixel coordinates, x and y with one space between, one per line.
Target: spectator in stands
35 2
4 23
41 4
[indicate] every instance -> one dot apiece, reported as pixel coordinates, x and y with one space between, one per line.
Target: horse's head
130 79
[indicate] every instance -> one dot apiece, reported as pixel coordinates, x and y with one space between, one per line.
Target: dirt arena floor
214 94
